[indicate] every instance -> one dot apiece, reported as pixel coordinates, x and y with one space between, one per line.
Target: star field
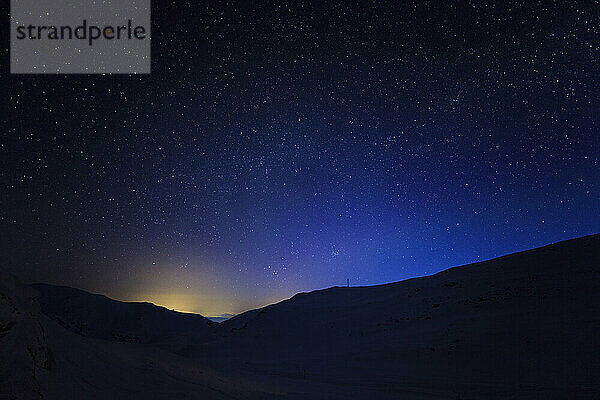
278 148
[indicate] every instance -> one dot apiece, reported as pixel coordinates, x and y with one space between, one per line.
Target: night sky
284 148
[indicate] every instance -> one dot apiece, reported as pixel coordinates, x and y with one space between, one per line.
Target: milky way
284 148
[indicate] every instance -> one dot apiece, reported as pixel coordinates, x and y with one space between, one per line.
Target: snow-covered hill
98 316
521 326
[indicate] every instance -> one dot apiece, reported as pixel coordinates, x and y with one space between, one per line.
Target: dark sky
283 148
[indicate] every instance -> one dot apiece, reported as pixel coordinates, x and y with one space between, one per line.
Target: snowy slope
521 326
98 316
40 359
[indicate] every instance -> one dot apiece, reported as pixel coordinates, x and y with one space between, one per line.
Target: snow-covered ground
520 326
